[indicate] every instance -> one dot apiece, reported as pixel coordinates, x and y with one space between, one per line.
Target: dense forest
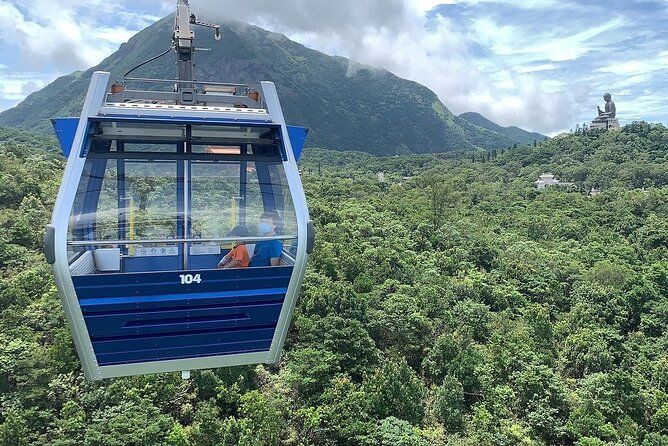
449 302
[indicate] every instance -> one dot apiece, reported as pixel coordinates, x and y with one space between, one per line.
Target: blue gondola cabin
144 216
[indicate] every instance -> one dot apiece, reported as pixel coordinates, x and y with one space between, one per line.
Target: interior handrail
181 240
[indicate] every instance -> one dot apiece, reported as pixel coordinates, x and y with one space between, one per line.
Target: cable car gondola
157 186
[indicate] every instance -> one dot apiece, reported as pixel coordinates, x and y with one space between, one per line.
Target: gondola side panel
303 222
141 318
60 224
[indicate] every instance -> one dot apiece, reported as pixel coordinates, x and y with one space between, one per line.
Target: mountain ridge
347 105
520 135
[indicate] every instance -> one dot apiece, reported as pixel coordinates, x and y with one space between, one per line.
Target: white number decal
187 279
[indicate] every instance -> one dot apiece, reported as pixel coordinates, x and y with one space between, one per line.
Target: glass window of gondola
164 197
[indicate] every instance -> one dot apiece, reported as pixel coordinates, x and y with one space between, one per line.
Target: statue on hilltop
610 108
607 118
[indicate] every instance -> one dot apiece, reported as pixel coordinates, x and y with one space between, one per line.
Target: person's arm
225 260
232 264
276 253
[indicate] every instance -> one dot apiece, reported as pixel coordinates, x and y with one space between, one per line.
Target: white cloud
638 108
428 5
490 56
114 35
64 35
638 67
52 38
398 35
558 46
15 87
524 4
48 37
535 68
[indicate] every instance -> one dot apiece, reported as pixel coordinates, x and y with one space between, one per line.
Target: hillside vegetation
453 305
346 105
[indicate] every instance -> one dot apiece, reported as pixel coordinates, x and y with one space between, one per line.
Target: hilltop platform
610 124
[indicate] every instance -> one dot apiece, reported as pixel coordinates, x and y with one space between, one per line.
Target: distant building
381 177
547 180
594 192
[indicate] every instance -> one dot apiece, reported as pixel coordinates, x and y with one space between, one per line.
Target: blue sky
539 64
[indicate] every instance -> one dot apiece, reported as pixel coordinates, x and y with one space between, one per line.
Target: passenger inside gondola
268 252
238 257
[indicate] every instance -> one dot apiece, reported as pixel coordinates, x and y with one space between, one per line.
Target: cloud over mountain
539 64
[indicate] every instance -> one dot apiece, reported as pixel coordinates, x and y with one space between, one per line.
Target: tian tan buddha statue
606 119
610 111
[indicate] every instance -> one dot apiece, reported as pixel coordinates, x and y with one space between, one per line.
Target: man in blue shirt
268 252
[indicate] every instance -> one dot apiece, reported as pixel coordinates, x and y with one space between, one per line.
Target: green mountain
517 134
346 106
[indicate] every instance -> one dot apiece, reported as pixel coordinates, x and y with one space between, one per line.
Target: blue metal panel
143 286
209 261
143 317
168 283
133 325
148 264
66 130
170 348
176 301
297 139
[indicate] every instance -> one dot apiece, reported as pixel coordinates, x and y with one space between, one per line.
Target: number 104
187 279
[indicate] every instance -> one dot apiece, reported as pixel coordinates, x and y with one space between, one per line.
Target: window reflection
172 206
